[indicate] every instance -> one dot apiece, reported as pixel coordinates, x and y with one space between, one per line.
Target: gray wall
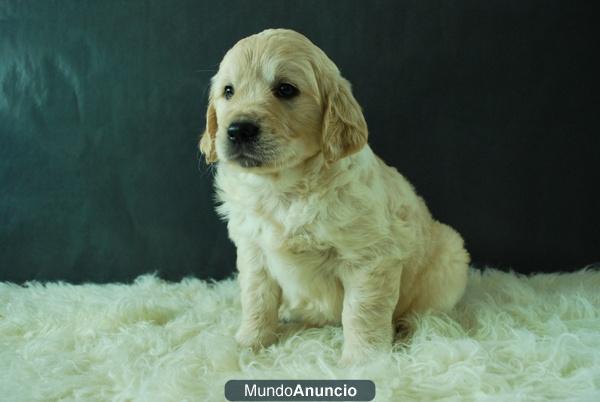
489 107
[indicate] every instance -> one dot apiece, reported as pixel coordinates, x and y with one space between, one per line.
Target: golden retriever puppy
326 232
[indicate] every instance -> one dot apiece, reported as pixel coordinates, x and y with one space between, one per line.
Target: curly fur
325 231
511 338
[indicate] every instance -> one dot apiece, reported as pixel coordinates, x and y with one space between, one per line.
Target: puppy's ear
344 127
207 142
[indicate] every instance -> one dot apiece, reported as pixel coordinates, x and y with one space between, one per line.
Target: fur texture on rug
511 338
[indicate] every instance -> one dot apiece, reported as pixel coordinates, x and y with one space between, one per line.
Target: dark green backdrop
489 107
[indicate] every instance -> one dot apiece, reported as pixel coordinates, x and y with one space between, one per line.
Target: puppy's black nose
242 131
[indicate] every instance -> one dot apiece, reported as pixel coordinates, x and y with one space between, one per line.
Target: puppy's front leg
260 296
370 297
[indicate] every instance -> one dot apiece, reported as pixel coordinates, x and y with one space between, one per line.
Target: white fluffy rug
512 338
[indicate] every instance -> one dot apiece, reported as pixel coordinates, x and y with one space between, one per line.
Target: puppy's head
278 100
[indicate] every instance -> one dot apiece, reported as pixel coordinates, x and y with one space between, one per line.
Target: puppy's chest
288 228
298 256
294 239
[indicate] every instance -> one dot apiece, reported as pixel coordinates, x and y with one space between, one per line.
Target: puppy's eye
228 91
286 91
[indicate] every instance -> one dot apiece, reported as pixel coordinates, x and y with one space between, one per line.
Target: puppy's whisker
212 69
206 90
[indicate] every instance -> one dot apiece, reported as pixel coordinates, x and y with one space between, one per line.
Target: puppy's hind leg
445 279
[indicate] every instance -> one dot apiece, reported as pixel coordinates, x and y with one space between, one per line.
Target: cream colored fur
510 338
326 232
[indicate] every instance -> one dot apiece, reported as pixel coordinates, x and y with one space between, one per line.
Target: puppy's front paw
354 356
255 339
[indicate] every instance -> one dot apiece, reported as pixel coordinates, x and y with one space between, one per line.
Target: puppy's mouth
246 160
250 155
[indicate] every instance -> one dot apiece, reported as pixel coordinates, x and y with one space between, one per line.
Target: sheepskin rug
512 338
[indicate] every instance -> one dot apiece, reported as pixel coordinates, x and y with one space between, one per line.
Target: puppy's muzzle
242 132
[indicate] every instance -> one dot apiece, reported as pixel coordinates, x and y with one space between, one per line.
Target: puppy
326 232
